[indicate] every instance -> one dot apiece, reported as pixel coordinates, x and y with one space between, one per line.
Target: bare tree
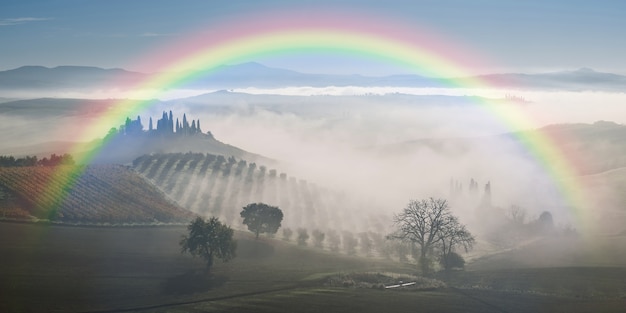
452 235
421 222
517 215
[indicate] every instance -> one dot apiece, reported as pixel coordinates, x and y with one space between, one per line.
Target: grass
78 269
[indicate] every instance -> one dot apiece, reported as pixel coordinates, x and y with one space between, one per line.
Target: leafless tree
452 235
517 215
425 223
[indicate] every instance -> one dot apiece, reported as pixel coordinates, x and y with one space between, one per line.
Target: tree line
166 125
53 160
427 227
215 185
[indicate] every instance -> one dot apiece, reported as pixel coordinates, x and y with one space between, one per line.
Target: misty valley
312 156
495 234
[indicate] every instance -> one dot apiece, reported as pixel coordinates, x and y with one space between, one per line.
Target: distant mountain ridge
66 77
585 141
578 80
254 74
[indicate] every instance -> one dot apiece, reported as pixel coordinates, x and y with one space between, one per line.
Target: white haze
549 107
351 148
331 153
356 146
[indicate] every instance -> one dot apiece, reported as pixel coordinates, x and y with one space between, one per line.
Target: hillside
101 194
213 185
595 148
124 149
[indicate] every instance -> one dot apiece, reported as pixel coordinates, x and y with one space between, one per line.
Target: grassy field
75 269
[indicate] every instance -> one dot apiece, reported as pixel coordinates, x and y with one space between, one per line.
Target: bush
318 238
287 233
303 236
451 261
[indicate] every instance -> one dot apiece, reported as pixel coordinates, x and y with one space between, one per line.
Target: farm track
213 299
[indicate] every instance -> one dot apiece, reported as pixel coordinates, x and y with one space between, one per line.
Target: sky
521 36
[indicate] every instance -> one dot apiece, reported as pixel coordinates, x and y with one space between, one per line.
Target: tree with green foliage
452 260
287 233
350 242
334 240
318 238
209 239
262 218
303 236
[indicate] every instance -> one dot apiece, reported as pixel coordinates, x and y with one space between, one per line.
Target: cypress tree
171 123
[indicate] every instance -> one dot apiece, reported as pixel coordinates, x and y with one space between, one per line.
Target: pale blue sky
525 36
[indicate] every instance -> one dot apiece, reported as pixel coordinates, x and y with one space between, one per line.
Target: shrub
303 236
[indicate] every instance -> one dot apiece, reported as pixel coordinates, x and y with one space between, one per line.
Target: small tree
366 244
262 218
380 244
303 236
287 233
517 215
318 238
208 240
453 260
349 243
334 240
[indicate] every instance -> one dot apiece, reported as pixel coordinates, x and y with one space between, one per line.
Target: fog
382 146
384 150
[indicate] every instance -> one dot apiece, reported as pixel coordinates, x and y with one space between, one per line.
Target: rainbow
251 37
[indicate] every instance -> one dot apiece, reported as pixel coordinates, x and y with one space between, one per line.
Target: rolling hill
212 185
112 194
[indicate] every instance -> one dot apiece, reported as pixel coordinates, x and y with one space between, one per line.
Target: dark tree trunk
423 262
209 264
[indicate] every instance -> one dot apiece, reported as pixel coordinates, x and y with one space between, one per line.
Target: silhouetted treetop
53 160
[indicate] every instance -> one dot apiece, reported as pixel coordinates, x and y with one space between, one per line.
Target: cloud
21 20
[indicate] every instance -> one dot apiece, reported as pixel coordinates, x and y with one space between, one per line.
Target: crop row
99 193
216 186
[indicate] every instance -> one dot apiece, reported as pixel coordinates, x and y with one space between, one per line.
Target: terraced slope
100 194
213 185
